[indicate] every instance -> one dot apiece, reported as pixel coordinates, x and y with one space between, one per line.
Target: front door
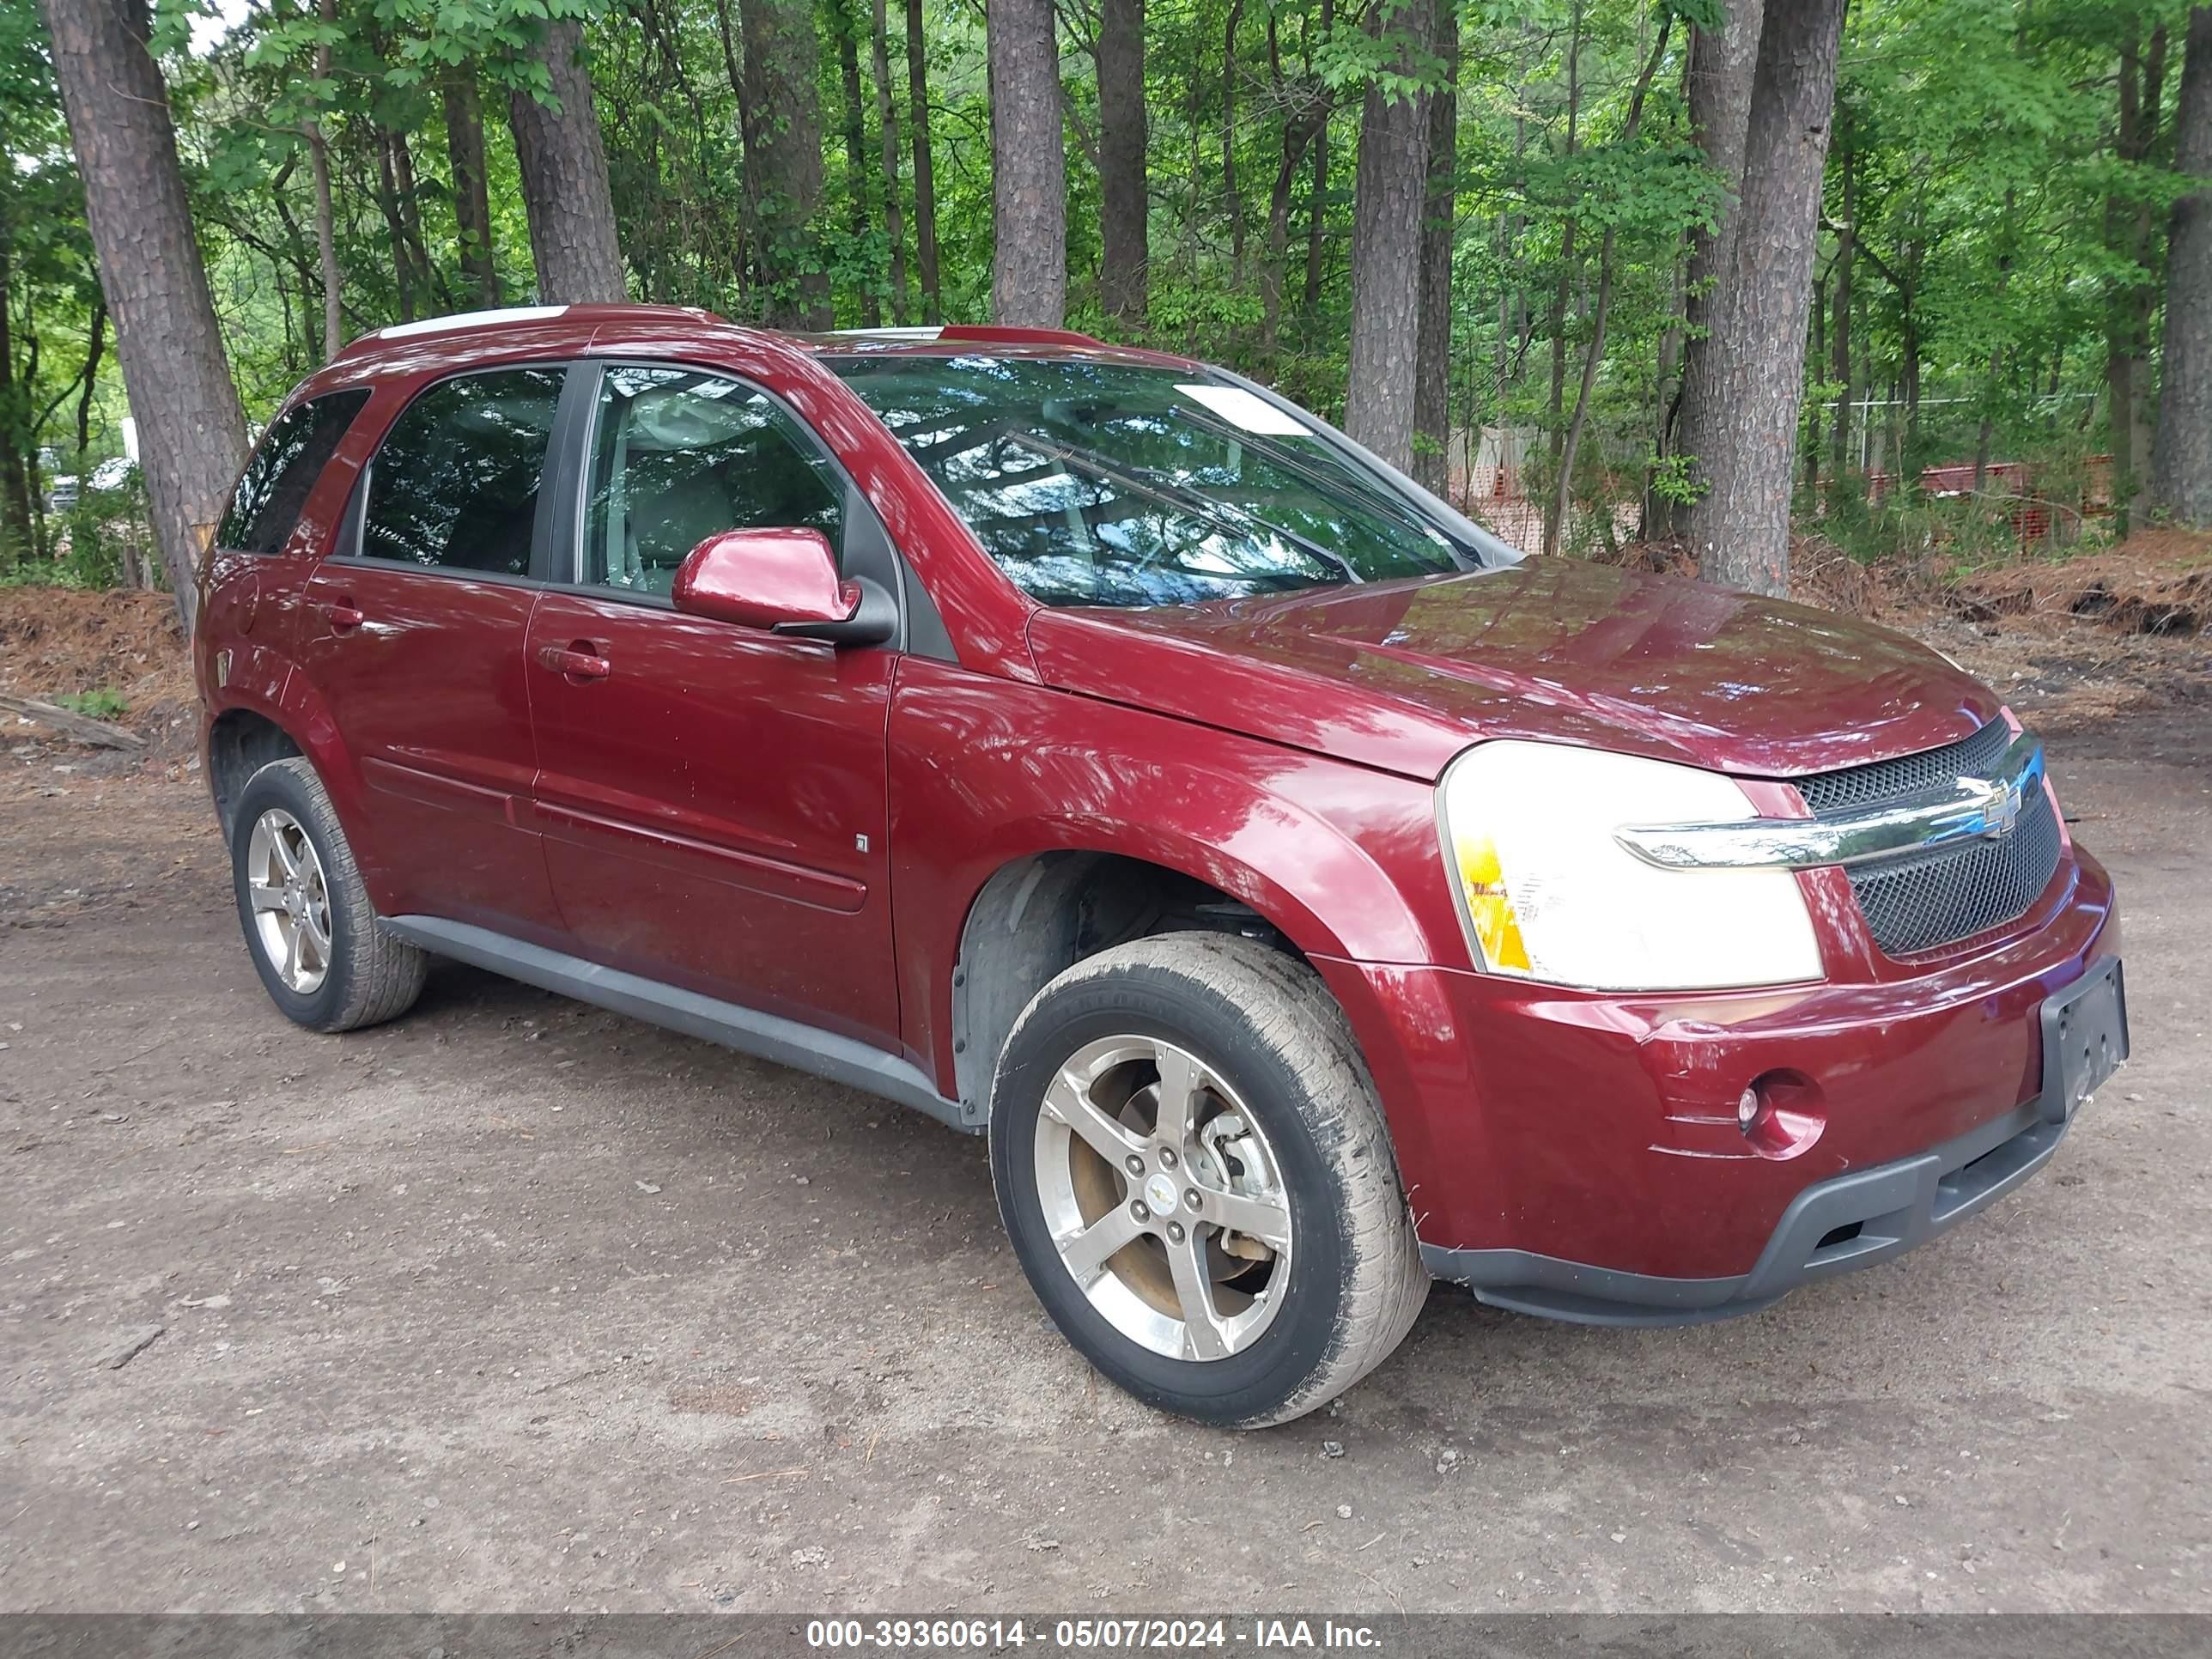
415 640
711 797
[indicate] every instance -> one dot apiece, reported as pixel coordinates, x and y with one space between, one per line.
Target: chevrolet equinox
1308 896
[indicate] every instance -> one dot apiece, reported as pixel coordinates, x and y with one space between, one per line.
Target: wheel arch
278 717
240 741
1038 912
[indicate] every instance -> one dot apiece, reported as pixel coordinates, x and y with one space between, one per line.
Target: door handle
576 662
343 616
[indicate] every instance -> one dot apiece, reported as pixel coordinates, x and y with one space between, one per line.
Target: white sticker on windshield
1246 409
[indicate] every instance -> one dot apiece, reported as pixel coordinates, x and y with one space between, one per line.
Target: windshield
1119 484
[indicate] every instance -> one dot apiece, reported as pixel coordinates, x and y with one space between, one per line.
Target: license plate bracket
2085 1038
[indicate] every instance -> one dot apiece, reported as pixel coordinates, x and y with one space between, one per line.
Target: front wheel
1197 1179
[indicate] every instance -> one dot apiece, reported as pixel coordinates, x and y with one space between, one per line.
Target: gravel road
518 1305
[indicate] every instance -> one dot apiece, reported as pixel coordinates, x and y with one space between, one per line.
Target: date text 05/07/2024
1107 1635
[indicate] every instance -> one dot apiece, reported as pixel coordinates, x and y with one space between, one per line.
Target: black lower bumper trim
1849 1221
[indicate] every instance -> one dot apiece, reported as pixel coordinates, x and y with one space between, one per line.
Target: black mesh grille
1883 783
1923 902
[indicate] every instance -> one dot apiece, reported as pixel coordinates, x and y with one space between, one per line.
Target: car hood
1403 675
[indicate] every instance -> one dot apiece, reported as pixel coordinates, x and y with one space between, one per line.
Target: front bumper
1577 1156
1835 1225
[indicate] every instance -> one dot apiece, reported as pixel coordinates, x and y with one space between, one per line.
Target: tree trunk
1391 190
925 178
1723 65
1232 193
95 349
1432 351
2130 233
1317 205
326 248
436 295
1124 139
784 152
1029 167
733 65
1658 513
18 534
1513 298
859 213
465 146
1839 331
1594 353
293 253
1985 433
1555 510
1912 461
887 120
191 432
2181 462
395 227
1813 420
1317 224
1750 379
563 164
1301 122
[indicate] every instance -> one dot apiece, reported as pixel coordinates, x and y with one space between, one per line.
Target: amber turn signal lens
1489 906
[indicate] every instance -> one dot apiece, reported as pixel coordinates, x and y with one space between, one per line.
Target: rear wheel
307 914
1197 1179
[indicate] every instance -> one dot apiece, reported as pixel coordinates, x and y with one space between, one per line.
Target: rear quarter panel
254 619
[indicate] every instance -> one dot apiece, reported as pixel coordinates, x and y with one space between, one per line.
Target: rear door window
454 485
285 464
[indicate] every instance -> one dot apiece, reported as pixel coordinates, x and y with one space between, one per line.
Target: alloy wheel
1163 1199
290 901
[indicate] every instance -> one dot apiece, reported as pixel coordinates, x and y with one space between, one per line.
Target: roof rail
978 333
458 322
1006 334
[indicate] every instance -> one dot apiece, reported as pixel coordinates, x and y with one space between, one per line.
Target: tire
1252 1040
358 974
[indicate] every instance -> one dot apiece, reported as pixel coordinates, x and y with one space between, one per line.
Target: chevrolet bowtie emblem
2001 805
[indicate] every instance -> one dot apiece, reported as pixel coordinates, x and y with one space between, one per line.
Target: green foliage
1988 197
105 704
1671 480
1395 57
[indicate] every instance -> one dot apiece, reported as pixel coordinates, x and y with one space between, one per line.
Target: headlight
1546 893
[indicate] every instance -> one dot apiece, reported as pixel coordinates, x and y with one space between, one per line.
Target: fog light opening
1781 1114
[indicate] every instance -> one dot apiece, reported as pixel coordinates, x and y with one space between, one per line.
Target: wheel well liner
1040 915
240 744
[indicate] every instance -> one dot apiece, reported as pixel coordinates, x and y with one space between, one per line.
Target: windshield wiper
1170 492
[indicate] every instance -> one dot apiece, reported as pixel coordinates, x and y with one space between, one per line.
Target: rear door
417 629
247 585
712 796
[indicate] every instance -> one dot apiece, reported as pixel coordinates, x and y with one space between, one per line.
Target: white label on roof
1249 411
469 319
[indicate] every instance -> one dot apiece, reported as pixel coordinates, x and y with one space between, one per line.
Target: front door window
680 456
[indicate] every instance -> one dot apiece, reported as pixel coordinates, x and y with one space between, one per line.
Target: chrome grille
1923 902
1885 783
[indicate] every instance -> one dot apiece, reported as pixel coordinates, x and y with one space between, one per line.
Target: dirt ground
518 1305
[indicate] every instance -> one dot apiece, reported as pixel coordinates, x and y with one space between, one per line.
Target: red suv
1307 894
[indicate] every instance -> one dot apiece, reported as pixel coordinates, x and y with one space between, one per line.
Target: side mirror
785 582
